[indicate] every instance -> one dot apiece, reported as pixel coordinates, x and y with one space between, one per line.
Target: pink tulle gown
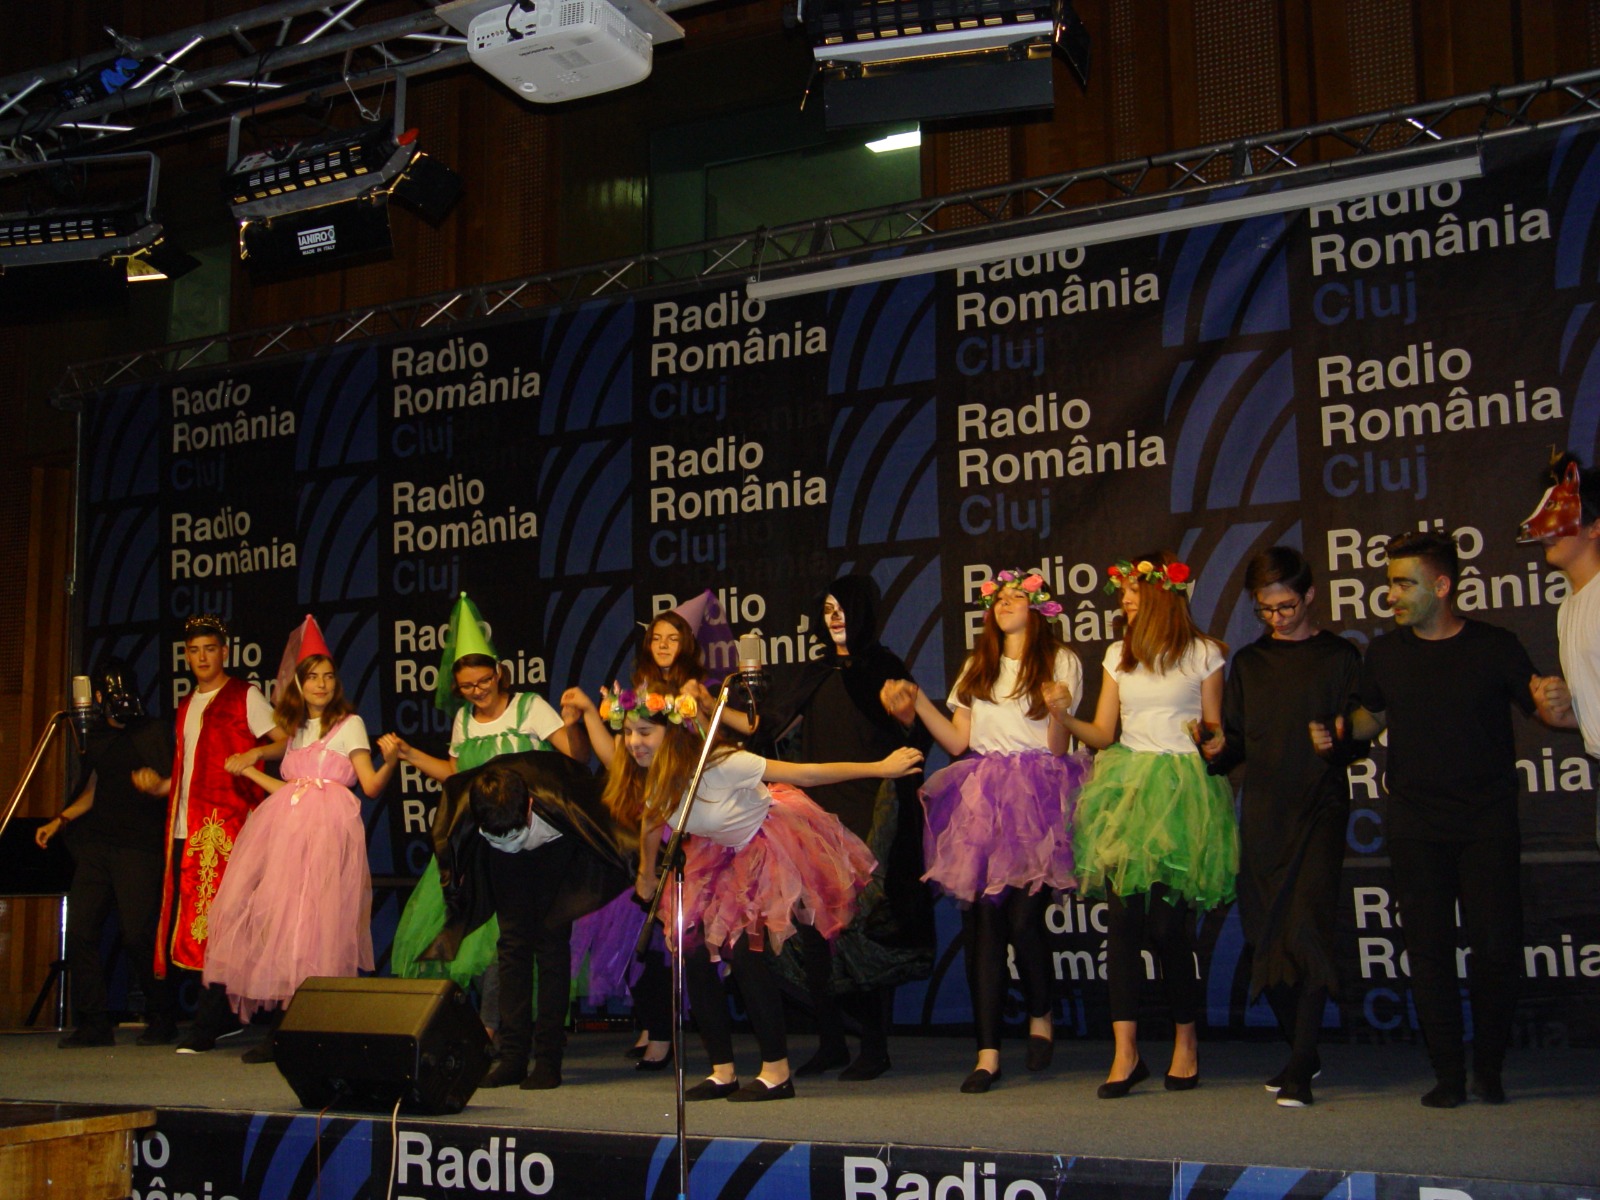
296 900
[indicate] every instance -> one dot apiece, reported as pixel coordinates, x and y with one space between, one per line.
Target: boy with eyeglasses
1296 803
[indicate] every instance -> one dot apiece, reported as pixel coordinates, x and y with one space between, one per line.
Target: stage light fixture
928 60
77 210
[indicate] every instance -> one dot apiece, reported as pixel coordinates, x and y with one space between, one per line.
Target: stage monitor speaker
365 1043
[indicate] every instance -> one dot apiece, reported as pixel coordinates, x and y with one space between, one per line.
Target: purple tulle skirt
604 941
998 821
802 865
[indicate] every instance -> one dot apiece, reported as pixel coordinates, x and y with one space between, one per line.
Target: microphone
82 707
752 672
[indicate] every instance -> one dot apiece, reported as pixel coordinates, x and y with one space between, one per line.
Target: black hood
858 596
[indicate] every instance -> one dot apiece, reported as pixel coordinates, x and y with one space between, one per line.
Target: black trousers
763 1000
524 886
872 1009
1162 919
1017 919
652 994
128 879
1485 878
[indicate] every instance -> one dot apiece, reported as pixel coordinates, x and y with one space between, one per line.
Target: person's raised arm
600 736
904 761
393 746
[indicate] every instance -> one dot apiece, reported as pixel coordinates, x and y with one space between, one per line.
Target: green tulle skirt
422 921
1147 818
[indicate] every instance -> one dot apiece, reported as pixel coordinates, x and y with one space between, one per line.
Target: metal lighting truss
1385 140
270 56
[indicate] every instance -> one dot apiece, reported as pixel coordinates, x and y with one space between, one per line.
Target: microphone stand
672 861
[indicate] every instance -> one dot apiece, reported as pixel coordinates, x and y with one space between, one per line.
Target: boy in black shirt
1444 687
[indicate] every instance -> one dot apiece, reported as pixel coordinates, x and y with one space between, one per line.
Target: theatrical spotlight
927 60
323 202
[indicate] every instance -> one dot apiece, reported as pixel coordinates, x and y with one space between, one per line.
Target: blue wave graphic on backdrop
121 559
1583 428
788 1178
1233 548
884 335
1578 211
282 1167
585 514
885 472
337 527
1249 422
1240 281
588 382
337 396
587 632
122 434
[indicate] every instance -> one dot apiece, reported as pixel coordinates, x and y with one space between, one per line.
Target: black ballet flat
1116 1089
758 1089
710 1089
654 1064
979 1081
1182 1083
1041 1052
634 1052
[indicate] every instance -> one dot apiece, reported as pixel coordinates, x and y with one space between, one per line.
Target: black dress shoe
1118 1088
1041 1052
710 1089
865 1067
654 1064
827 1058
1445 1095
544 1077
634 1052
503 1072
1282 1077
979 1081
755 1091
1294 1094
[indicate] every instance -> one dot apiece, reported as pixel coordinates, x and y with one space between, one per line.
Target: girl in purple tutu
1155 834
760 859
297 897
998 834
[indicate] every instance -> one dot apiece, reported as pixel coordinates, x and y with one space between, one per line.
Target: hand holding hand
1550 693
148 780
577 699
1323 738
899 697
904 761
1057 698
392 745
238 764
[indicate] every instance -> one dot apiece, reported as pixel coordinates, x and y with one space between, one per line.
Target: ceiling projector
552 50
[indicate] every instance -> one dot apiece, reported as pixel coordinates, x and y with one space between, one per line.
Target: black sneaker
158 1033
1282 1077
89 1035
199 1041
1295 1094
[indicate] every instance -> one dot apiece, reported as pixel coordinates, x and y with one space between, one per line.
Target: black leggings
763 1001
1017 918
873 1009
1161 919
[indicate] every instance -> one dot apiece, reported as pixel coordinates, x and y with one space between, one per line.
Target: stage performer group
816 847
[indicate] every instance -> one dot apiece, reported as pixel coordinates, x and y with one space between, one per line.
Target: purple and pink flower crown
1030 584
614 710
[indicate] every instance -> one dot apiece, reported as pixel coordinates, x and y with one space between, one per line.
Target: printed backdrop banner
1323 378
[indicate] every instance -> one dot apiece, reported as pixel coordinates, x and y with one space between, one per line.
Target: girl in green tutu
490 720
1155 834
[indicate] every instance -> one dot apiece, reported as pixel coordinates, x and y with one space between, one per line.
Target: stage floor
1366 1116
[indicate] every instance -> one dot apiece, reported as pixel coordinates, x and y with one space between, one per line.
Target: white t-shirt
349 735
1003 726
1155 706
732 801
1578 628
537 719
257 711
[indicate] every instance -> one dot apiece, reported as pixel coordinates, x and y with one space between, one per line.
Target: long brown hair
290 712
685 667
1041 645
1163 629
633 794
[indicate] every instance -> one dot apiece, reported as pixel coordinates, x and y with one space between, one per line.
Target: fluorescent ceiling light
896 141
1190 216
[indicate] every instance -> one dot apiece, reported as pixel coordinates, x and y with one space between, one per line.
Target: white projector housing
559 49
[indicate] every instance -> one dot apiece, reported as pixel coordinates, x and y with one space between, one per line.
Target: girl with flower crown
1155 834
997 836
297 898
761 857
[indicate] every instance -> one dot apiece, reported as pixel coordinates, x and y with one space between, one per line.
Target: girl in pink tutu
1155 833
998 836
759 860
297 898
